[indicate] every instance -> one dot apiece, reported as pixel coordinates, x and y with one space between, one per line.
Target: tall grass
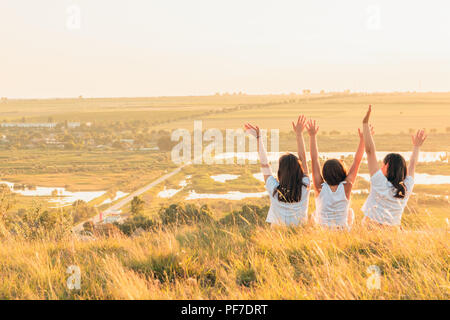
237 257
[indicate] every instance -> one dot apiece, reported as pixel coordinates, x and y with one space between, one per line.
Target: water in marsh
426 157
60 196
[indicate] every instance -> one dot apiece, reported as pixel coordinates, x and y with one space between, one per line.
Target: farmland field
120 146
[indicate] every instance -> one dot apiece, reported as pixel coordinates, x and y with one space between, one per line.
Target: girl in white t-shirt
289 194
333 186
392 185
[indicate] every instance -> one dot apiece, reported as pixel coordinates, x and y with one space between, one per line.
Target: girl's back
332 207
382 206
284 213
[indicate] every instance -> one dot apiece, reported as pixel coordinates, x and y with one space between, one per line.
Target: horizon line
224 94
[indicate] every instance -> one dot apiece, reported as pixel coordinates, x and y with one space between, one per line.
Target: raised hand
300 126
419 138
312 127
367 117
252 130
361 133
417 141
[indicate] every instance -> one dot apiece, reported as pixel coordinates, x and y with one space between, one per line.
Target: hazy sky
167 47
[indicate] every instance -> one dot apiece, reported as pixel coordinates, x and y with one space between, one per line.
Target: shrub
39 224
189 214
246 276
137 206
134 223
80 211
249 215
164 267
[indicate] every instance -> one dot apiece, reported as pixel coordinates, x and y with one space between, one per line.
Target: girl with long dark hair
289 194
392 184
333 186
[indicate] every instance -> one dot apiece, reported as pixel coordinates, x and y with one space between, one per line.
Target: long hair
334 172
290 178
396 173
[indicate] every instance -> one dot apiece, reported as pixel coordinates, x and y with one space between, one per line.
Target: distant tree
81 210
165 143
137 206
70 145
334 133
447 129
118 145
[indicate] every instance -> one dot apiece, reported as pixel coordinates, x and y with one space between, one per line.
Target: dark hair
396 173
290 178
334 172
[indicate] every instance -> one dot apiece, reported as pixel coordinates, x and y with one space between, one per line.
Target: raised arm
265 167
417 141
313 129
353 172
370 145
298 129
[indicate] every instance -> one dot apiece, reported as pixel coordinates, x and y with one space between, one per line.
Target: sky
135 48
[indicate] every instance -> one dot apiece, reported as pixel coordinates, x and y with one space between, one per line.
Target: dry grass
234 262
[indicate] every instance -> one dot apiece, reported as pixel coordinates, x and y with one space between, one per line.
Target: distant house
73 125
52 141
28 125
149 149
111 219
130 141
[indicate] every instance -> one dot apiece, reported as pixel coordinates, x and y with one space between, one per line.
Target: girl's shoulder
271 184
306 180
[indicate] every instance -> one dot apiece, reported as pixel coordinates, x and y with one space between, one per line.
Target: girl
392 185
333 187
289 194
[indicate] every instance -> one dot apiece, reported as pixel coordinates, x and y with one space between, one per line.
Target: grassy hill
190 254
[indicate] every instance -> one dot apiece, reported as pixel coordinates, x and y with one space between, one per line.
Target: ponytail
396 173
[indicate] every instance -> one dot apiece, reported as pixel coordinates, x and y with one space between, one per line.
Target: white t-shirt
381 205
332 207
284 213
